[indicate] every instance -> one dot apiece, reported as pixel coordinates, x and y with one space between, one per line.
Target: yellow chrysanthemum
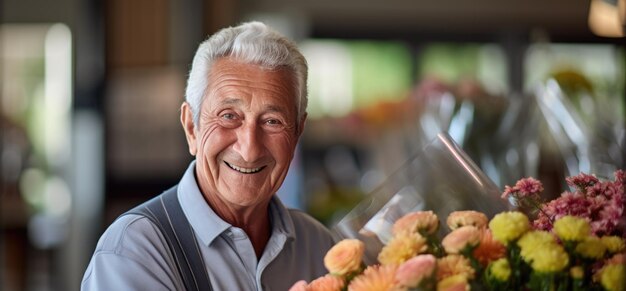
532 240
500 270
612 277
375 278
452 265
591 248
572 228
509 226
402 247
613 244
456 282
549 259
577 272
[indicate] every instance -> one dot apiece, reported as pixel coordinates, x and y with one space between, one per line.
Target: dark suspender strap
166 213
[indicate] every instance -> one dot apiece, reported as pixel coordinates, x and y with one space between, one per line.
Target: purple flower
529 187
609 218
582 181
620 177
606 189
508 191
568 203
620 182
524 188
601 203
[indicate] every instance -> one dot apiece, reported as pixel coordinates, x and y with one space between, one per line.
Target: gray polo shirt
132 253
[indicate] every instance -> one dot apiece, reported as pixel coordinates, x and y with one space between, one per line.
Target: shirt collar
281 219
208 225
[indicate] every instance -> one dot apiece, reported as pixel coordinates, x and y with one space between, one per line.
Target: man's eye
228 116
272 122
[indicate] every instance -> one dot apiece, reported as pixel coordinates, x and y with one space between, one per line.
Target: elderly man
245 109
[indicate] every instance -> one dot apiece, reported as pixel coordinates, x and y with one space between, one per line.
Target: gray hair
253 43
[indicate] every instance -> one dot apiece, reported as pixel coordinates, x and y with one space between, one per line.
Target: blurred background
90 93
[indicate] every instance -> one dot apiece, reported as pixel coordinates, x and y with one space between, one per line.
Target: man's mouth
244 170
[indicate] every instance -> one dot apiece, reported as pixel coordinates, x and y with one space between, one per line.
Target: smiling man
222 227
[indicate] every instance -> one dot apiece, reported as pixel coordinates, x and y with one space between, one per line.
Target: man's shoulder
131 254
130 233
305 223
299 216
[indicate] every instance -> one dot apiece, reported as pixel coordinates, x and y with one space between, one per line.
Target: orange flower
375 278
488 249
425 222
326 283
344 257
401 248
461 238
454 265
457 219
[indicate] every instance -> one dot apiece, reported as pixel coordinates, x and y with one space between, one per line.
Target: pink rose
299 286
344 257
461 238
457 219
425 222
411 273
326 283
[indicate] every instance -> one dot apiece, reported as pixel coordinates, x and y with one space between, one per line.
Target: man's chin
253 197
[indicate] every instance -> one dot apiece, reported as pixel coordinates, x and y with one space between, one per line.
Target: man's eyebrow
230 101
275 108
268 107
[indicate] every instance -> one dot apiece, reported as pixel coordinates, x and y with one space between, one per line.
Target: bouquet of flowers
574 242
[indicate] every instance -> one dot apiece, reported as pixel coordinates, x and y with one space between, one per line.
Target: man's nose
249 144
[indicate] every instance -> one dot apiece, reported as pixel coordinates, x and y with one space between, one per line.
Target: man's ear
301 125
186 119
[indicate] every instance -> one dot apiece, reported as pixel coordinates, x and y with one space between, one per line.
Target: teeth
244 170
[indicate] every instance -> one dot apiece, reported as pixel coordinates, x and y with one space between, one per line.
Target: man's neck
254 220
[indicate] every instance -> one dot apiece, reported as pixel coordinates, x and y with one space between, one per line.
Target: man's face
246 134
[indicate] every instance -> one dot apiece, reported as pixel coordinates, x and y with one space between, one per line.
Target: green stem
538 207
578 285
534 204
478 268
435 246
516 266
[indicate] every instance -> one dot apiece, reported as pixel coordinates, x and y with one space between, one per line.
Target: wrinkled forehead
232 65
229 74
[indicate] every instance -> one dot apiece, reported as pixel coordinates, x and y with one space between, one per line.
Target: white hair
251 42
